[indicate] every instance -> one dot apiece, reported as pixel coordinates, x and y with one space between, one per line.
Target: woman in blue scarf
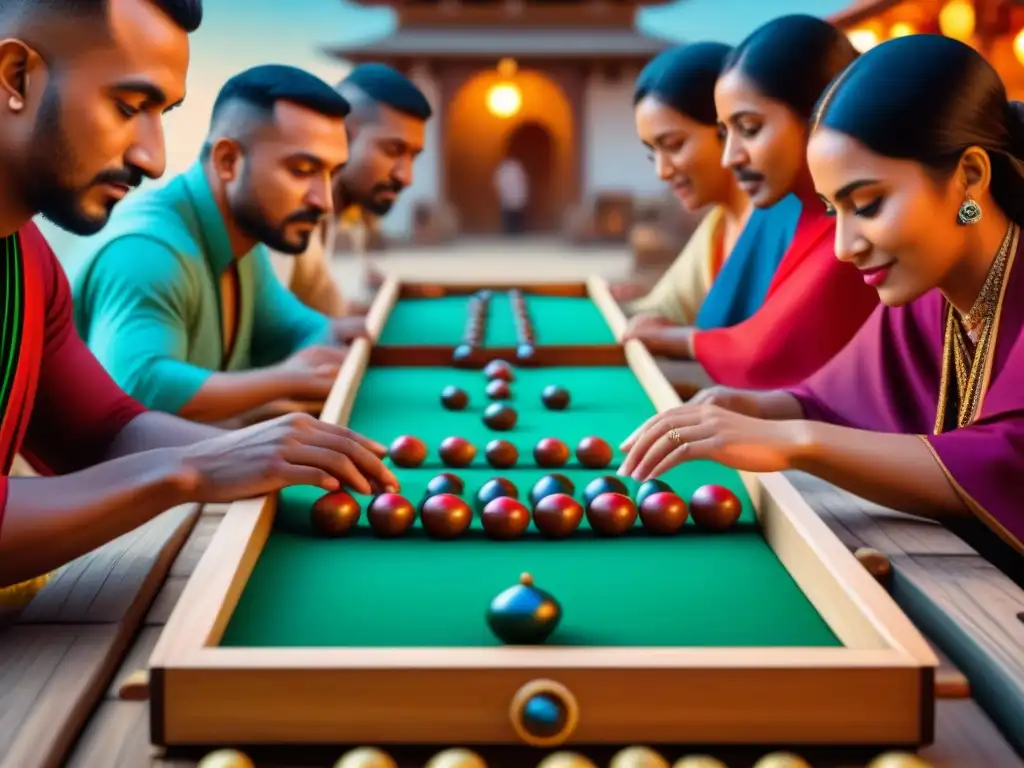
721 277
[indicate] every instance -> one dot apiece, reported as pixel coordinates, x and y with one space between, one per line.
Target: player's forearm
777 405
154 429
226 396
49 521
896 471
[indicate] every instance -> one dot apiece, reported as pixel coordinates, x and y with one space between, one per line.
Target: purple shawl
887 379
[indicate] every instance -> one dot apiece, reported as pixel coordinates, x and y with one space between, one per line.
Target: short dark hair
263 86
943 98
792 59
187 14
683 78
380 84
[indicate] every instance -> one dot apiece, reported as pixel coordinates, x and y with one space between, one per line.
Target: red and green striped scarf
21 341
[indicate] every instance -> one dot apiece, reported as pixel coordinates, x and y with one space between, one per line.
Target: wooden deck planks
969 609
57 661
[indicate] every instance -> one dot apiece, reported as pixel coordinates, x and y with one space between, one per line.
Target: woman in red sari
924 410
814 304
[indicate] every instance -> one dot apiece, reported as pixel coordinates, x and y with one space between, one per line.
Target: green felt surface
556 320
692 589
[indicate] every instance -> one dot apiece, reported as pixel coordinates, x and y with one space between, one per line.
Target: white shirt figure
511 184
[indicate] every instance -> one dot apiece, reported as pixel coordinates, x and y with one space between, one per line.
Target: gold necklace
984 306
978 328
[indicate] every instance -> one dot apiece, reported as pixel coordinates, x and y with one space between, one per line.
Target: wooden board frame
441 354
878 688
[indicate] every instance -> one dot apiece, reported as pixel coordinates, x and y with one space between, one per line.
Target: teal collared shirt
147 296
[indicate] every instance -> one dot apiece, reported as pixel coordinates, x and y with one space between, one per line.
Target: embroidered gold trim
972 370
972 504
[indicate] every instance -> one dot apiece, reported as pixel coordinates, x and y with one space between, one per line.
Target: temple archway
540 135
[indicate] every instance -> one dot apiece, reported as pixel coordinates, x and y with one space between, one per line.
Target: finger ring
675 437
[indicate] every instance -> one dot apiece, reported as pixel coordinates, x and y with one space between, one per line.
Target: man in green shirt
176 296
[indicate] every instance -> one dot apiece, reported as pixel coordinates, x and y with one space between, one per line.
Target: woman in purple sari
917 153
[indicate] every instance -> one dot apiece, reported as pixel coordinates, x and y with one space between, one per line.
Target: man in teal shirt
177 297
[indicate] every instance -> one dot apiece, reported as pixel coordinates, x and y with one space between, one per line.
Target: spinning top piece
499 369
663 512
638 757
557 515
366 757
715 508
446 482
550 452
505 518
565 760
445 516
493 489
407 451
499 390
555 398
501 454
457 452
525 353
549 484
594 453
899 760
523 614
456 758
648 487
390 515
782 760
454 399
226 758
611 514
334 514
500 416
462 353
604 484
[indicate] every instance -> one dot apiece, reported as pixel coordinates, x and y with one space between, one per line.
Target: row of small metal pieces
476 320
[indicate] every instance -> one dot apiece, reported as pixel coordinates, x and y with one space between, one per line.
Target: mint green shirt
147 296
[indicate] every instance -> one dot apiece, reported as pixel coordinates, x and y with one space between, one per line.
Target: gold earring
15 103
970 212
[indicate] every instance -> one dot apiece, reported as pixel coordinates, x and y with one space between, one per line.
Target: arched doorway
540 136
534 147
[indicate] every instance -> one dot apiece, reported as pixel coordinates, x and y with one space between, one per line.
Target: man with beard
386 128
83 90
177 297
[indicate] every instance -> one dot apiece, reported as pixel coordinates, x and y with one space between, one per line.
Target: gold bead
638 757
226 758
699 761
366 757
565 760
456 758
782 760
899 760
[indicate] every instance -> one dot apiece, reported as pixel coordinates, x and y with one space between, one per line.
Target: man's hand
349 328
291 450
626 291
315 370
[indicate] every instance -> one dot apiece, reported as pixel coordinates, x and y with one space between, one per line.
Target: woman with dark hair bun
812 304
924 410
723 273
